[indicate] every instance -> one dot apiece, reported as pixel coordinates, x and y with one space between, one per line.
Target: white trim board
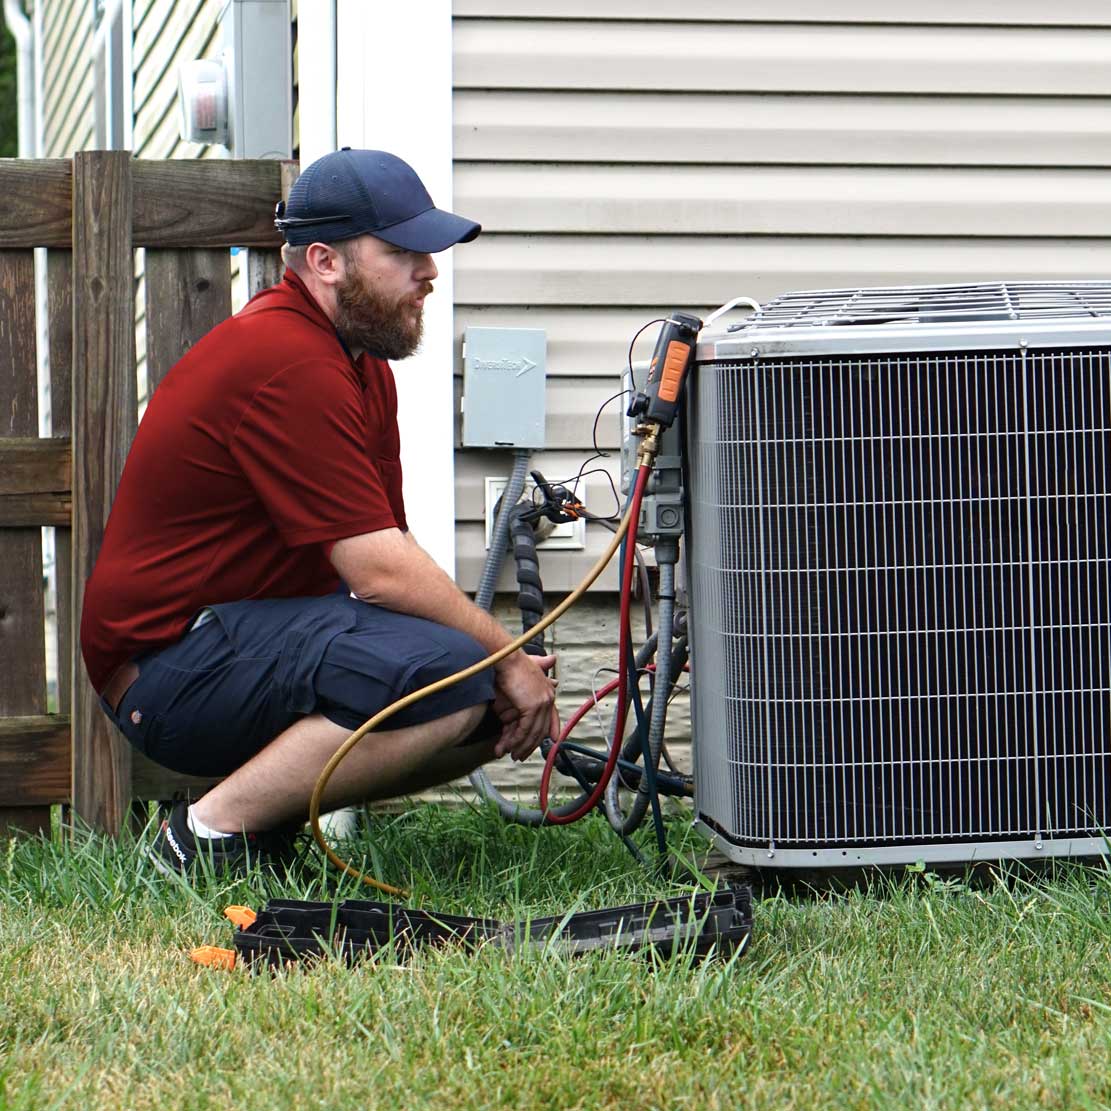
394 92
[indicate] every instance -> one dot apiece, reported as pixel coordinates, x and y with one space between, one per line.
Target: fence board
104 415
36 208
205 203
34 482
177 203
34 763
34 510
22 638
30 465
59 326
188 294
151 781
90 214
265 268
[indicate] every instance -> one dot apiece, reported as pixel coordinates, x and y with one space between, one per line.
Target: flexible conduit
484 597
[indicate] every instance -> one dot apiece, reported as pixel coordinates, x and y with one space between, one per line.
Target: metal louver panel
900 573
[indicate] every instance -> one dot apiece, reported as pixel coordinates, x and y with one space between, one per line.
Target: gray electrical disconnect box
504 379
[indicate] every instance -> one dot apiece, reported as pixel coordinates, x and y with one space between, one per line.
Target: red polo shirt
262 445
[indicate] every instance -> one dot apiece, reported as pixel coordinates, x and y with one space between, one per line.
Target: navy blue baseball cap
367 192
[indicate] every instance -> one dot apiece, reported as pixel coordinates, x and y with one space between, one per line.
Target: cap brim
430 231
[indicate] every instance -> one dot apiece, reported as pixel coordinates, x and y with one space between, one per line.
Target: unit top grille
923 317
935 304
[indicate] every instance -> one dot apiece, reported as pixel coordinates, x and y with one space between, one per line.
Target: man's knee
389 656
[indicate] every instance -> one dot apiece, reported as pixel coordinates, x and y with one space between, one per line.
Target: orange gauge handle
659 401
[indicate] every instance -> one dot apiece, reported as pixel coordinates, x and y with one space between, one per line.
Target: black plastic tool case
294 930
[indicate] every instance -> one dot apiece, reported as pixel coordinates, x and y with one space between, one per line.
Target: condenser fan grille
900 569
1017 301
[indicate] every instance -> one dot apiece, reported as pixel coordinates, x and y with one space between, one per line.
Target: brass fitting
649 444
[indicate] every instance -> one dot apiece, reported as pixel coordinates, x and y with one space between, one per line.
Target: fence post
59 294
103 424
23 688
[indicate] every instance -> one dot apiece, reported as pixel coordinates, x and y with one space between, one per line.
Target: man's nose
425 270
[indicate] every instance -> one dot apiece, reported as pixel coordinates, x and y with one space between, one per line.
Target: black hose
530 590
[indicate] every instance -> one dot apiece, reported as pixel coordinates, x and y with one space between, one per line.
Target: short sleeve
302 446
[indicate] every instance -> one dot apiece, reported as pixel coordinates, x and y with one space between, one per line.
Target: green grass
916 993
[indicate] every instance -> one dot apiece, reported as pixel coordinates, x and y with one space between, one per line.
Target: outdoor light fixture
203 101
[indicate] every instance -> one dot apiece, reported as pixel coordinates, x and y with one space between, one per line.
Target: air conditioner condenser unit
898 563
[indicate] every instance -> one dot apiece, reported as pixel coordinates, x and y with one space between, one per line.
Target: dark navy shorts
206 704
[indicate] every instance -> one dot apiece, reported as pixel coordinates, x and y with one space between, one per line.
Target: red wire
622 680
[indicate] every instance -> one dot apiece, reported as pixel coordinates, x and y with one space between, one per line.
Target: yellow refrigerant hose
647 454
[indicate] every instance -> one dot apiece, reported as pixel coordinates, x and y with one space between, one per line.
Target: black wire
569 768
638 856
633 692
677 782
601 453
649 772
573 482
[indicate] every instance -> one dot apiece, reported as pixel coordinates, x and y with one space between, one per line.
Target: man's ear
325 263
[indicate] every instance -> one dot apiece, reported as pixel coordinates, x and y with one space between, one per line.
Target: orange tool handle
671 361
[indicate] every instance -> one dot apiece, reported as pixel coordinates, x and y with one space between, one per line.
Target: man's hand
524 700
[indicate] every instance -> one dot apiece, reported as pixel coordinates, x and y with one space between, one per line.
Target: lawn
914 992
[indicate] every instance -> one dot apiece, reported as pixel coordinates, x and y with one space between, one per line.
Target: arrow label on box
519 366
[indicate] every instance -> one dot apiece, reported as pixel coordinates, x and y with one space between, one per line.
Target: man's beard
366 321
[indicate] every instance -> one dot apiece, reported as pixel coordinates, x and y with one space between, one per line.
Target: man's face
380 299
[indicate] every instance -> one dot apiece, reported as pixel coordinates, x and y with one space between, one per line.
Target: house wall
168 32
67 80
626 158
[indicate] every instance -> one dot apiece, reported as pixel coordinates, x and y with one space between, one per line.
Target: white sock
200 829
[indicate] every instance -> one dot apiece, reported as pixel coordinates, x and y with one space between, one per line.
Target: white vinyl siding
776 57
67 82
167 33
1033 13
780 129
626 157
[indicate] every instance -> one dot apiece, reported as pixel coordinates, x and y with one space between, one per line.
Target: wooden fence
91 214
